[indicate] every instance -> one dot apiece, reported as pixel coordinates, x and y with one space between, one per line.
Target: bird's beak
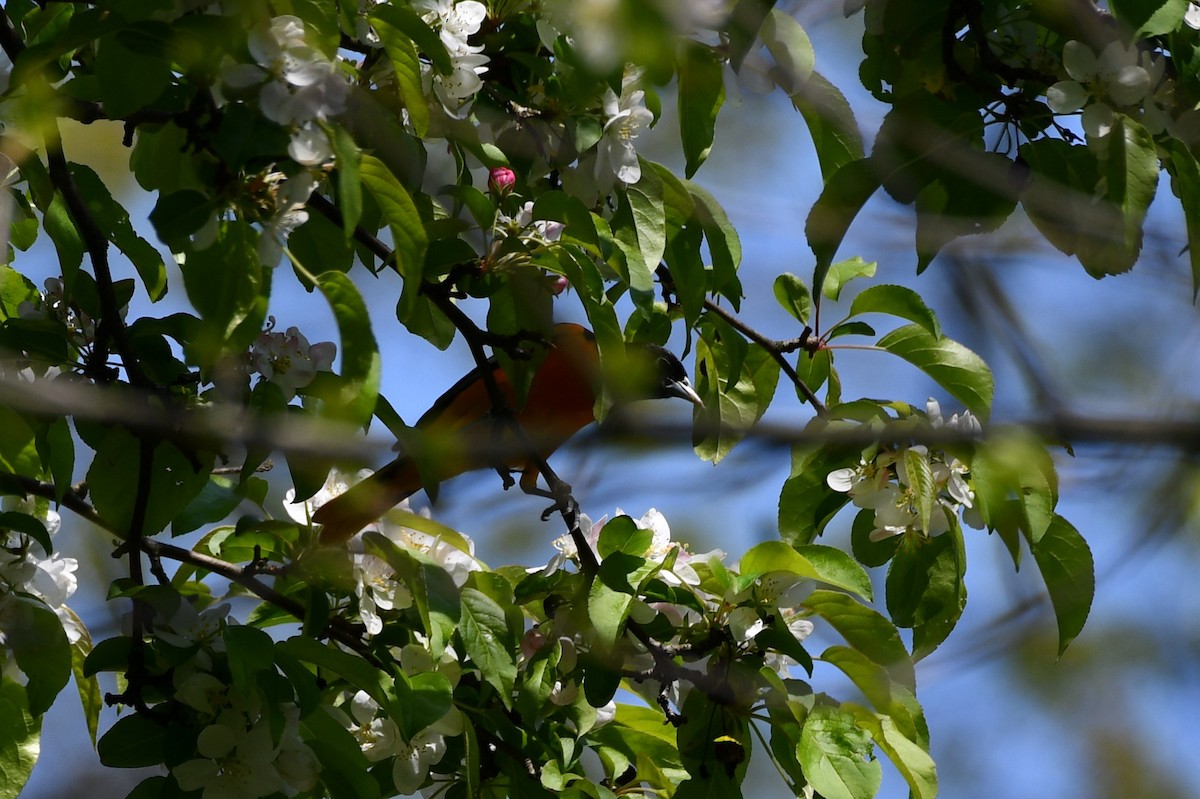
683 390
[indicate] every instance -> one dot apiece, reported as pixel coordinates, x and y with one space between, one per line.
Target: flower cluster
23 573
240 755
380 738
529 230
288 360
701 596
1117 78
297 86
912 489
377 587
456 23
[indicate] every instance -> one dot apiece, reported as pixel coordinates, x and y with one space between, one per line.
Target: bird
461 431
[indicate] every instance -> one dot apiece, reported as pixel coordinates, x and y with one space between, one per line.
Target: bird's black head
665 375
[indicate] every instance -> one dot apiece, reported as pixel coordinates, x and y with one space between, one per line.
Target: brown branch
336 629
777 350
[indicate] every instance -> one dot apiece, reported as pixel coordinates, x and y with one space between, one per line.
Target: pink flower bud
559 285
501 180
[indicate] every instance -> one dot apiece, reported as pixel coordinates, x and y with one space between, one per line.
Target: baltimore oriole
461 428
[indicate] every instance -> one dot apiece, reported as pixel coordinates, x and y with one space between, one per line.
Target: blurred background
1114 717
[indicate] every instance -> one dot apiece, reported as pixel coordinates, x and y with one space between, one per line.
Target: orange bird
461 429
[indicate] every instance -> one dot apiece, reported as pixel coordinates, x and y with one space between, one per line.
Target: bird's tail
343 516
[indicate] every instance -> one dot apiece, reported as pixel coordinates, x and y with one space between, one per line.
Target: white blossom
1192 15
529 230
456 23
377 589
1097 83
624 116
291 198
288 360
50 579
296 84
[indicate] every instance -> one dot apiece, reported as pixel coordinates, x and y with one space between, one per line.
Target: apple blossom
624 116
288 360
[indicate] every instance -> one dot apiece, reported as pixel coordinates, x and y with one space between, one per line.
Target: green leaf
405 63
223 281
830 122
176 478
65 236
250 651
20 734
962 203
27 525
744 23
898 301
404 221
701 94
350 667
1148 18
40 647
643 203
113 221
134 741
608 609
344 768
877 686
813 561
871 553
361 366
789 45
724 246
349 180
1015 468
488 642
1131 179
910 759
806 502
426 699
843 272
867 631
1066 564
178 215
620 534
736 391
793 296
955 368
88 686
836 755
846 192
416 29
61 457
1102 227
132 69
925 587
919 477
1185 174
219 498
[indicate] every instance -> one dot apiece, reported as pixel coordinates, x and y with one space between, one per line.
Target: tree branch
110 326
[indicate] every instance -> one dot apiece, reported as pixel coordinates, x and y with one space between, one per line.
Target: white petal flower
378 589
1192 15
625 116
744 624
288 360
